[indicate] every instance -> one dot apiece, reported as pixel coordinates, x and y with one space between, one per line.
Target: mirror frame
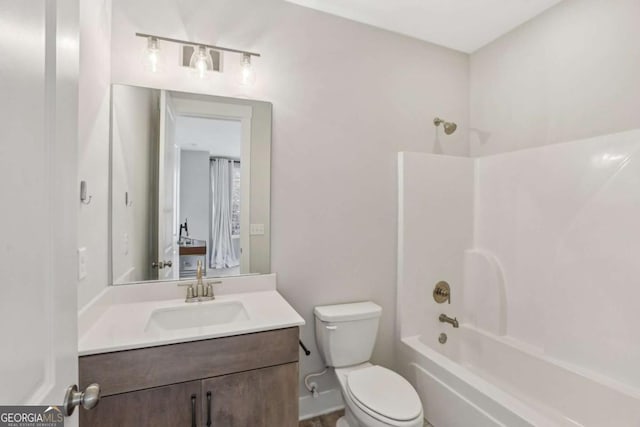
259 180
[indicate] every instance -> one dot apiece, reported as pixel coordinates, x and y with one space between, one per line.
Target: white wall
570 73
195 193
347 97
93 137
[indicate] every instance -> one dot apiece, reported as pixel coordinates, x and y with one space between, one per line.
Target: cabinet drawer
139 369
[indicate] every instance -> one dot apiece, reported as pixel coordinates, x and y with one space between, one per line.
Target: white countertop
117 319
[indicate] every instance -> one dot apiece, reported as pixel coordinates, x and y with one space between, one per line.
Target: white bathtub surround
484 296
435 228
541 263
120 317
563 221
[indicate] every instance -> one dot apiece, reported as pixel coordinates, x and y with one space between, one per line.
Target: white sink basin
196 315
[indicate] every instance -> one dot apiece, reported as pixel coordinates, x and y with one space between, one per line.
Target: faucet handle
209 290
442 292
190 292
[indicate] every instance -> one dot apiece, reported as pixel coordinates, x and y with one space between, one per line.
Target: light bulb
153 54
247 73
201 62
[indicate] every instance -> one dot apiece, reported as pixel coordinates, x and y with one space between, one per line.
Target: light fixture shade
247 71
152 55
201 61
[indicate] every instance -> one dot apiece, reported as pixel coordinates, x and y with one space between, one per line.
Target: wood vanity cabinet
241 381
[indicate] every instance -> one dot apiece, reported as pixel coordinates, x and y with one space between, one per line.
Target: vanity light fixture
248 74
201 59
153 54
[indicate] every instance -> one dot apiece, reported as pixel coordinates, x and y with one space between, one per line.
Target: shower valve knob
442 292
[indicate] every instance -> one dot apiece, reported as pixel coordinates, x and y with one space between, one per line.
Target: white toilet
374 396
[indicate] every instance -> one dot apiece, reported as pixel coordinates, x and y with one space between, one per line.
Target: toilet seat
384 395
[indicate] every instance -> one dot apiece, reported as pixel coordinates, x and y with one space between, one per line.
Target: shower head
449 127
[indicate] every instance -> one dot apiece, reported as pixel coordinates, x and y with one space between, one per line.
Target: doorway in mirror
210 195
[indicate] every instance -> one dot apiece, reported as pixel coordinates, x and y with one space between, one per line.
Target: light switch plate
257 229
82 263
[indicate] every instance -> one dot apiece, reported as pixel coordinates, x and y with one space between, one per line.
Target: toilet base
347 420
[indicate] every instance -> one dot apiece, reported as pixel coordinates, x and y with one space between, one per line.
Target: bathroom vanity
244 380
162 362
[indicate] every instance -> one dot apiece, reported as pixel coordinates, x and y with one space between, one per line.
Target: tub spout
446 319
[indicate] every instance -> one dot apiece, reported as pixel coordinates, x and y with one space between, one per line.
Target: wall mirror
190 184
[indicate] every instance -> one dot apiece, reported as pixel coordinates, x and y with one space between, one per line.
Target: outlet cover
257 229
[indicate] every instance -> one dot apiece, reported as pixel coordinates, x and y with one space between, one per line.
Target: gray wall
194 193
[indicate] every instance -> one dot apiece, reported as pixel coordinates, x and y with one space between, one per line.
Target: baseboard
326 402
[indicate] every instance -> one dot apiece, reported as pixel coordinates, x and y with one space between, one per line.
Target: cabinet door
170 406
265 397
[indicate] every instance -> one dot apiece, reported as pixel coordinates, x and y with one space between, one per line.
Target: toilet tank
346 333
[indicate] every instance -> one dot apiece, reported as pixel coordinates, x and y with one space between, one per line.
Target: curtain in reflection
222 253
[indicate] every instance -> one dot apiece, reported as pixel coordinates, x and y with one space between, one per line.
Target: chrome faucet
446 319
200 293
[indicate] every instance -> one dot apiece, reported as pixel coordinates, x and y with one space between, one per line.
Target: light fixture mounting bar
224 49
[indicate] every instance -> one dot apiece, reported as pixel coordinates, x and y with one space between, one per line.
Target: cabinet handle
193 410
208 409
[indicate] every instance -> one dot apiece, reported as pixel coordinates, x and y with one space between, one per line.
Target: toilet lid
384 392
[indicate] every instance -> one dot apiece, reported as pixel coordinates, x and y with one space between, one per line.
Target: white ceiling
219 137
464 25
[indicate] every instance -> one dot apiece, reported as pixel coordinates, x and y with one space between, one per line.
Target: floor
329 420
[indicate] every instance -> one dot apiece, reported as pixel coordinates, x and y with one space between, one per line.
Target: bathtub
477 379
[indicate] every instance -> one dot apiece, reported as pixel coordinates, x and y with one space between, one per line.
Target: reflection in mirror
189 174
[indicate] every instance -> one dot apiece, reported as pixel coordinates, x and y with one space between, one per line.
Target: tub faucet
446 319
